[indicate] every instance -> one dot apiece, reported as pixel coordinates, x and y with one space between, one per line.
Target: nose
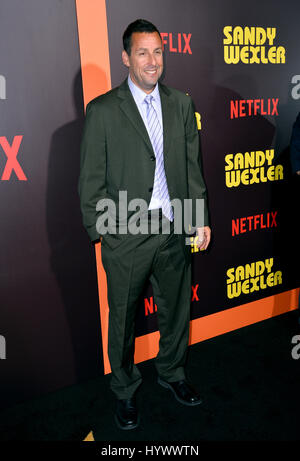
152 60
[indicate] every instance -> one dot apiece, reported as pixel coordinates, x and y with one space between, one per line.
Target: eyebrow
145 49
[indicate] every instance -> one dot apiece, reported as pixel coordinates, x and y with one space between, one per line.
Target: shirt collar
139 94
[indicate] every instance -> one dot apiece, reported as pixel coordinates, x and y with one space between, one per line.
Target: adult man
142 138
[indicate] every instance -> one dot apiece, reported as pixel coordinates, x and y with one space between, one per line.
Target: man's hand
203 237
298 172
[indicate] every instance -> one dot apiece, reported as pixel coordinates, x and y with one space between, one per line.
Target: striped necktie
160 187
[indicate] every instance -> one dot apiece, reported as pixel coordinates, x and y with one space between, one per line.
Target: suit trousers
160 258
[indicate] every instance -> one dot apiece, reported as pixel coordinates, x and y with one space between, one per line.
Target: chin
151 83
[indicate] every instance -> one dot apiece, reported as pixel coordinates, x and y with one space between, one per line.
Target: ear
125 58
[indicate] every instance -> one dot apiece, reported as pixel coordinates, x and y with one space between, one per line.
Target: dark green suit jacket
117 155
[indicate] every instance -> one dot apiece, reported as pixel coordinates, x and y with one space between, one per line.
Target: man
142 138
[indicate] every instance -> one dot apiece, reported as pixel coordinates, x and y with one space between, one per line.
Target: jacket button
152 158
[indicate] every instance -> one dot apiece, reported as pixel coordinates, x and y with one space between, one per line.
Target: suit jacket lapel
167 106
128 106
131 111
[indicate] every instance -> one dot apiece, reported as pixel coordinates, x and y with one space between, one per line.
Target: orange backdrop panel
96 79
95 69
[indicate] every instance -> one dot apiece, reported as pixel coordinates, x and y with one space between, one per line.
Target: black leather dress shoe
183 392
126 415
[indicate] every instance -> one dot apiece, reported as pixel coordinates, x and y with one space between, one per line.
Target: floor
248 379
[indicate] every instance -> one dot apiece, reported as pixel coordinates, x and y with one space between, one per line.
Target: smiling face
145 62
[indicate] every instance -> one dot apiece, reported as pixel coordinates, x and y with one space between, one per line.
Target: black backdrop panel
200 70
49 312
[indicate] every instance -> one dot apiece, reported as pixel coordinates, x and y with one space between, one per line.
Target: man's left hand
203 237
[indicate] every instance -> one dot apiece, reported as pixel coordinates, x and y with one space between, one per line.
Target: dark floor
248 379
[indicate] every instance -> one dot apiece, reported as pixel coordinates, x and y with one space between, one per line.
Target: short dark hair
139 25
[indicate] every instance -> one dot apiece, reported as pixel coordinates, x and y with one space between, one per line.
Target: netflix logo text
253 222
151 307
251 107
10 152
176 43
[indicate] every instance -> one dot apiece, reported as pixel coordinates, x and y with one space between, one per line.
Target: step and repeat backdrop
241 67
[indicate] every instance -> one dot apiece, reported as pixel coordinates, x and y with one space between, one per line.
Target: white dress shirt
139 98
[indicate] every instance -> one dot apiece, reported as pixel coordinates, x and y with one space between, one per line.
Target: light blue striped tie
160 187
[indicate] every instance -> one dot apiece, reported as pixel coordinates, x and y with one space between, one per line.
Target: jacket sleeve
196 184
92 178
